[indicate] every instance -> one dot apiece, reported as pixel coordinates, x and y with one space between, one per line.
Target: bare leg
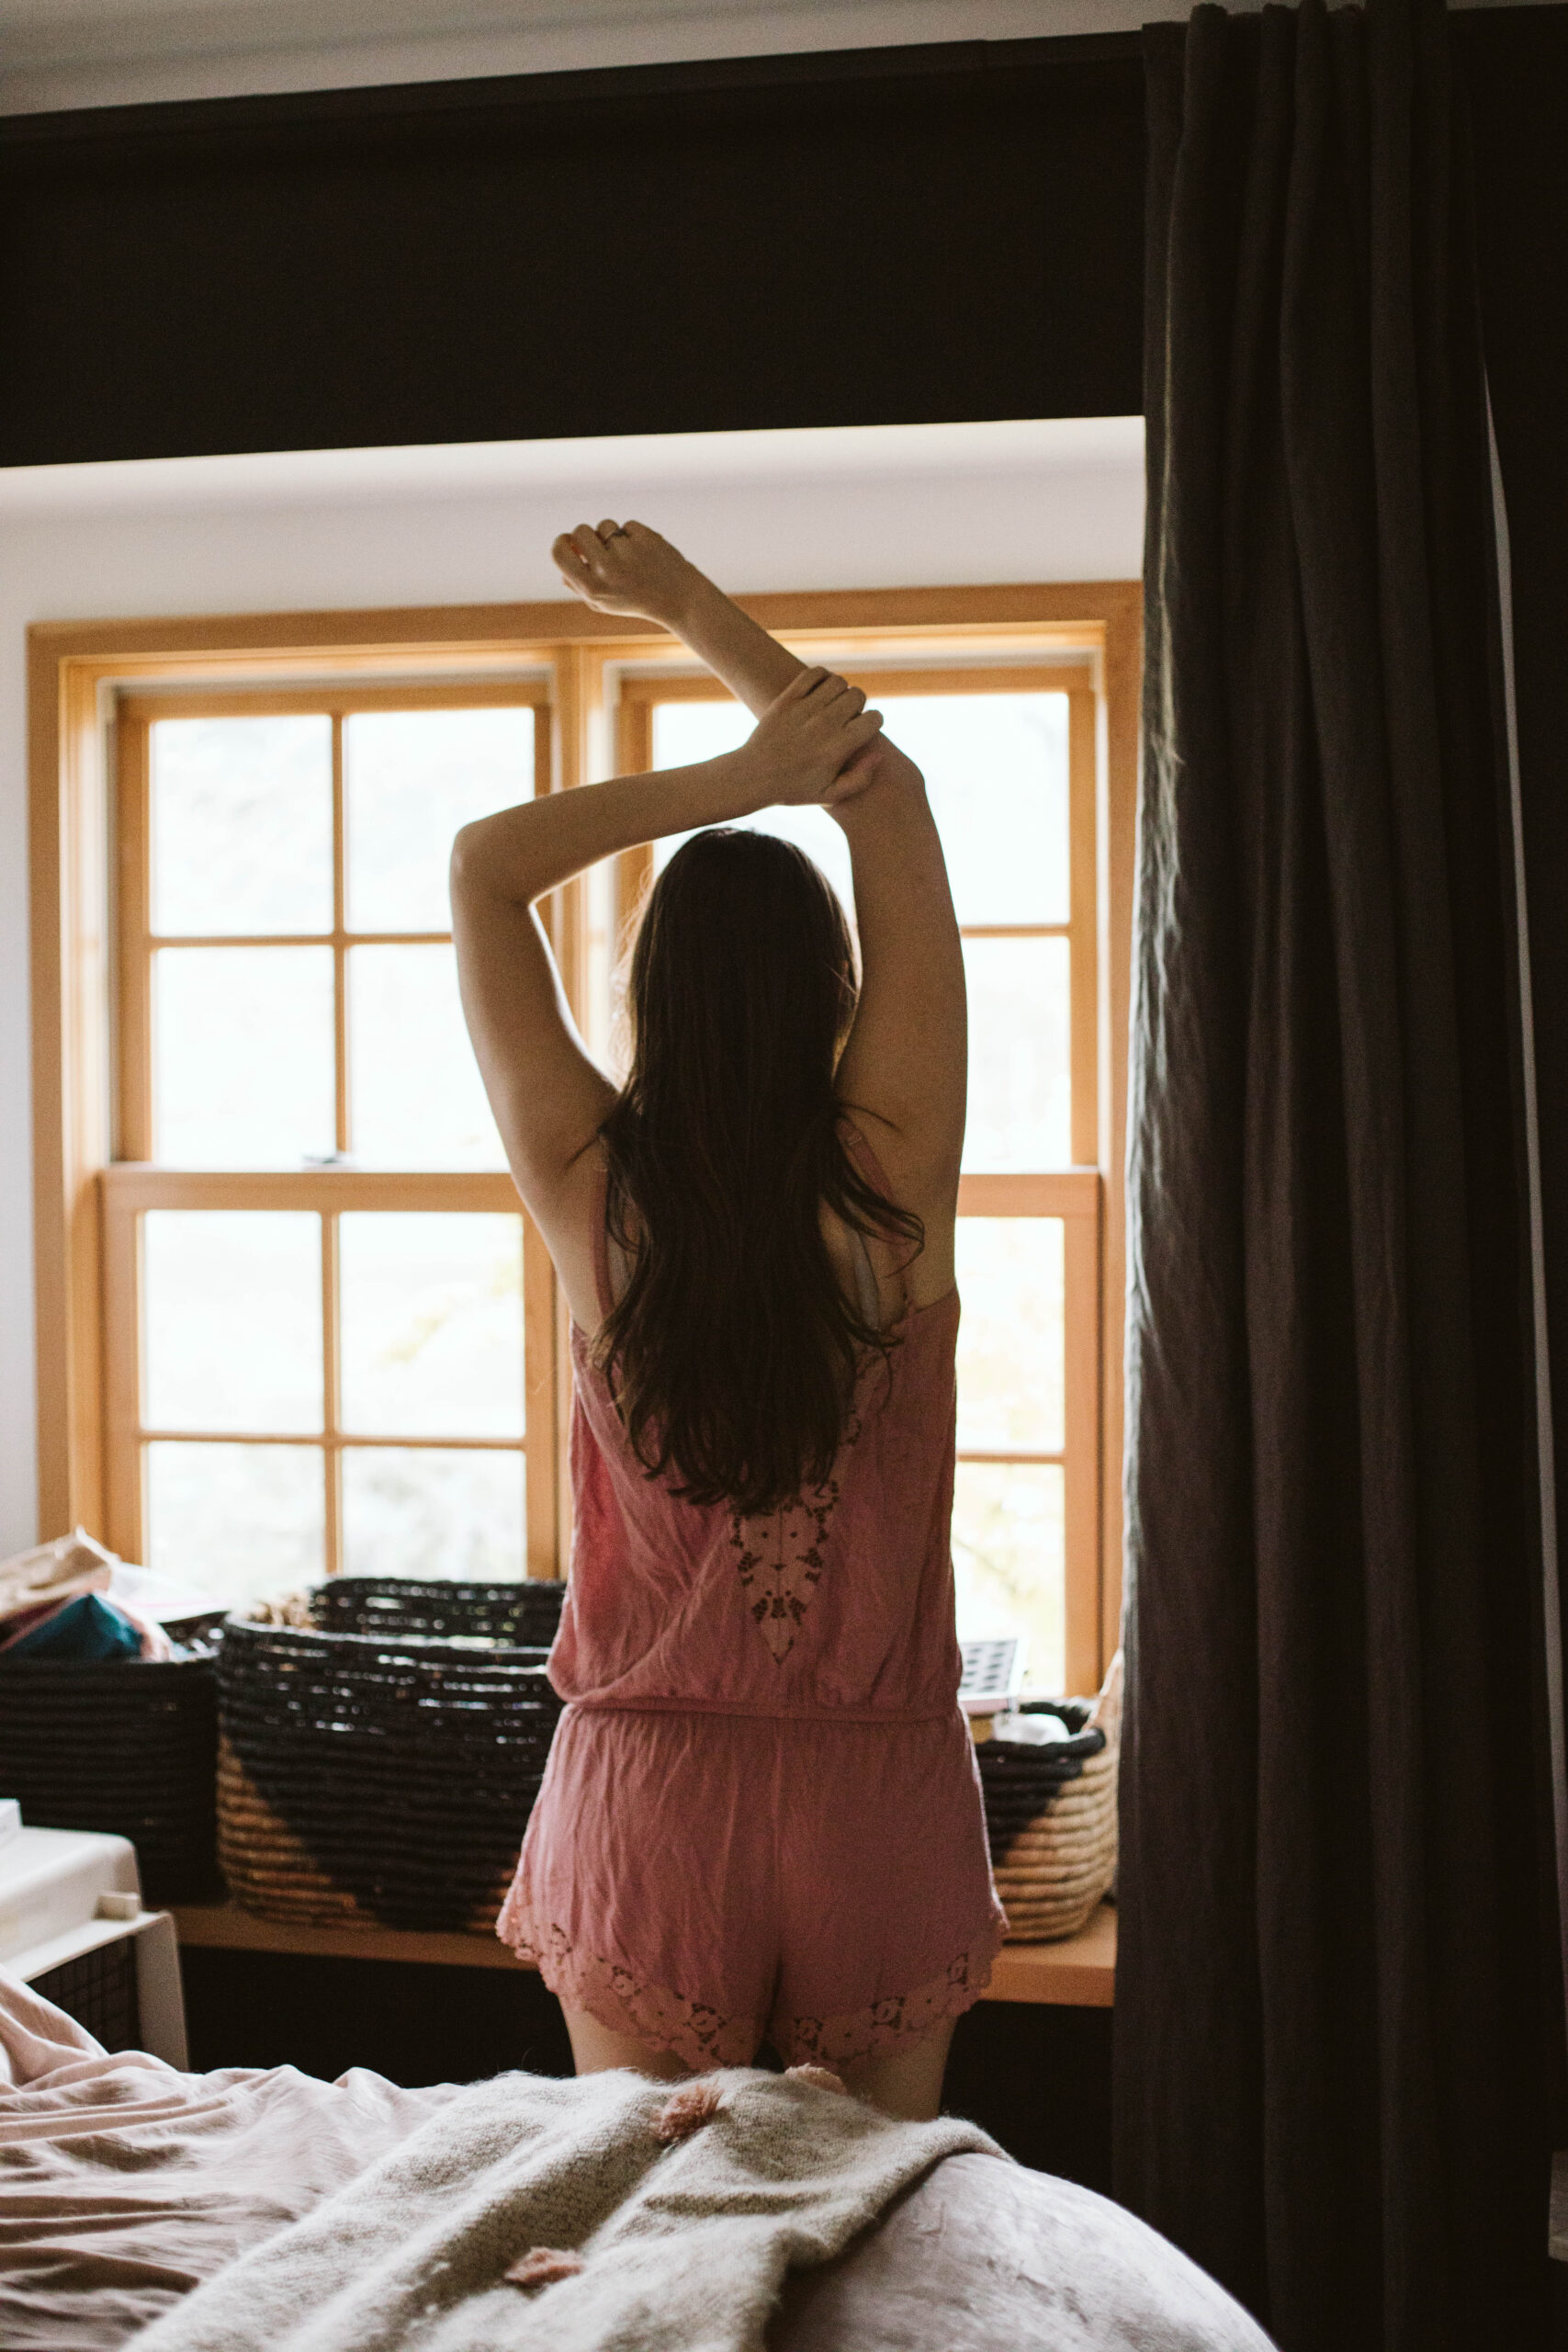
596 2048
905 2083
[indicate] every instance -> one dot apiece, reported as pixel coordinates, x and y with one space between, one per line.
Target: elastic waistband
739 1708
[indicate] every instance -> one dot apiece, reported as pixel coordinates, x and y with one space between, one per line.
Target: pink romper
761 1814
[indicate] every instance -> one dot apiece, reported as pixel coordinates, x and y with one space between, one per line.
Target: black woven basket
520 1615
371 1773
127 1746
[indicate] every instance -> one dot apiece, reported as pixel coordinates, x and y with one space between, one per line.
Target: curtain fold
1331 1992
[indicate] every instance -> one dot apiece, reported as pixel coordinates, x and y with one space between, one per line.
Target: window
318 1341
307 1328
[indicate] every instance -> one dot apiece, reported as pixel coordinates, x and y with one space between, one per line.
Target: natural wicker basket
375 1770
122 1744
1050 1816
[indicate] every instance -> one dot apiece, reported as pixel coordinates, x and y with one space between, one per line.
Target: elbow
462 858
486 864
467 860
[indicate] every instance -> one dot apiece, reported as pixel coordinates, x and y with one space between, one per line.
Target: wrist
688 595
740 786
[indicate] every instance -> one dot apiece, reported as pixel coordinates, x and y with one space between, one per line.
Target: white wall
858 507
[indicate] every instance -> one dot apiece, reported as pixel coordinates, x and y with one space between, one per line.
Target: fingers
581 549
569 561
585 555
825 690
591 541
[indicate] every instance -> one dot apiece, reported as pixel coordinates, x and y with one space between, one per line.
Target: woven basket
374 1770
122 1744
1050 1816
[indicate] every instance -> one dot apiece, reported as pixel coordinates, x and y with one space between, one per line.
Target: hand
805 740
625 568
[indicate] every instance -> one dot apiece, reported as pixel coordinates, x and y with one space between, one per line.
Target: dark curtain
1514 65
1332 1990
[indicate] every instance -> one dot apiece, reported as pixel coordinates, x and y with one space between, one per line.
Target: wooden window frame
132 1184
79 674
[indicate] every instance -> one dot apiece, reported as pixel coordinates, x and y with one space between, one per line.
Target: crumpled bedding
123 2185
608 2213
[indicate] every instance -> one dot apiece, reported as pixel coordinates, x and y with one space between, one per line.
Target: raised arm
907 1059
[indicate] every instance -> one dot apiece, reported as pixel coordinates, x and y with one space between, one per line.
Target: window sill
1080 1972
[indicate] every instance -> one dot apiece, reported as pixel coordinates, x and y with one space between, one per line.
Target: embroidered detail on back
781 1556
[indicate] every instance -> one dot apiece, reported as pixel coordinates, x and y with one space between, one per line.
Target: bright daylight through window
331 1338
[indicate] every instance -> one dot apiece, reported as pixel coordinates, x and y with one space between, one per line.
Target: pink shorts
707 1882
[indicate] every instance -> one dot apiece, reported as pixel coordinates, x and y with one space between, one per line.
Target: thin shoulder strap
865 1159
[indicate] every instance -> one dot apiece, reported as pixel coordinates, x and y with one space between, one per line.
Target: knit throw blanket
609 2214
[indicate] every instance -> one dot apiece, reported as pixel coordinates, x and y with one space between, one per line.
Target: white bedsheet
123 2185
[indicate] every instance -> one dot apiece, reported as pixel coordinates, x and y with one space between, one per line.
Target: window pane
1019 1054
233 1319
685 732
1011 1339
411 778
432 1324
431 1512
242 1056
1009 1562
239 1521
242 824
995 771
415 1099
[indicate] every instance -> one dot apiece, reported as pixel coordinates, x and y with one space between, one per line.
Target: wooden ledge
1078 1973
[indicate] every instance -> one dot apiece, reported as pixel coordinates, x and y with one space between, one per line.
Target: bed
133 2197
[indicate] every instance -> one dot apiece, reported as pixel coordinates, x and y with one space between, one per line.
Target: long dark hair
733 1353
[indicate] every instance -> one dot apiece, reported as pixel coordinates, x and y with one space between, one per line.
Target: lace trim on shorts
706 2039
902 2019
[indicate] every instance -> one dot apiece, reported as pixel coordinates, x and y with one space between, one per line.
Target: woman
762 1818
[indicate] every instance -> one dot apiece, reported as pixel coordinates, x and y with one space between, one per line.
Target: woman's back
839 1601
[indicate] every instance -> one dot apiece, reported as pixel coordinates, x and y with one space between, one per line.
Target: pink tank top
841 1604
